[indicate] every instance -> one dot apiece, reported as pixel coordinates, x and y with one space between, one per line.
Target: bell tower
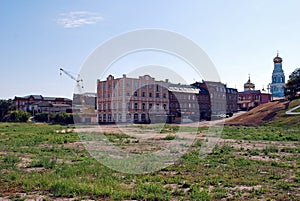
278 78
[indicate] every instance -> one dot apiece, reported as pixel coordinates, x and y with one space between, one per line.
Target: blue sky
240 37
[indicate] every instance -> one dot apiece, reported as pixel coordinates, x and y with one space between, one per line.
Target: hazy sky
240 37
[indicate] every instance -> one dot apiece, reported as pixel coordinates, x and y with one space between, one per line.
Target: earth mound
260 114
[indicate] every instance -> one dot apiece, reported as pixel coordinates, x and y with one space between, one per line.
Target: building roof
42 104
250 92
37 97
61 105
183 88
49 98
40 97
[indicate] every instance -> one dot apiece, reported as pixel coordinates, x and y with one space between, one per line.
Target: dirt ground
259 115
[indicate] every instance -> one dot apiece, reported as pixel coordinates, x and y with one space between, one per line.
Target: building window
150 106
165 107
136 106
157 95
164 96
128 84
135 94
143 94
157 87
104 106
150 86
150 95
143 106
136 85
157 107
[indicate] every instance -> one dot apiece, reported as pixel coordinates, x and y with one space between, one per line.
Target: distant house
40 107
38 103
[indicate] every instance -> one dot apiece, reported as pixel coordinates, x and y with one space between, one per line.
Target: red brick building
251 98
216 99
145 100
38 103
231 101
183 103
132 99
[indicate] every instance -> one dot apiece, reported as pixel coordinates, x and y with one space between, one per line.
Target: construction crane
77 98
78 80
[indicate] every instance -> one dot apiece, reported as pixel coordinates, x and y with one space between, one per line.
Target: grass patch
58 168
268 133
168 137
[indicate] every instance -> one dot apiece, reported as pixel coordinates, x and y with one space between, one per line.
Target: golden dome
249 85
277 59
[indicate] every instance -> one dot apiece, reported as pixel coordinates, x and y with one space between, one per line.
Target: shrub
41 117
63 118
60 118
17 116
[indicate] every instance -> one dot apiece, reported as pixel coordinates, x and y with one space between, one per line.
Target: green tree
41 117
17 116
63 118
5 107
293 84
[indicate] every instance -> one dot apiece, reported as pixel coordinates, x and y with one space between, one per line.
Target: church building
251 98
278 79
